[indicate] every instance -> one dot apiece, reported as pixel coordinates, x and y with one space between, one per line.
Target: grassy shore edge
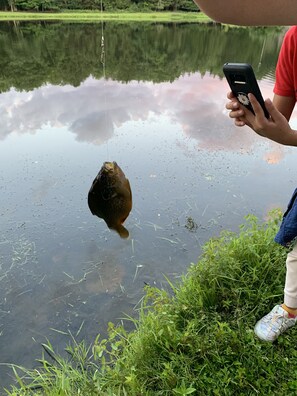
196 340
106 16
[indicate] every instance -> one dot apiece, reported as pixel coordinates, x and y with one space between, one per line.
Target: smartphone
242 81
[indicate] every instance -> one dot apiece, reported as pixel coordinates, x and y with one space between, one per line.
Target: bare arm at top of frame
251 12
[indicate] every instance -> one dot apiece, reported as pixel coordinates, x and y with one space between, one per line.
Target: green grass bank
196 339
106 16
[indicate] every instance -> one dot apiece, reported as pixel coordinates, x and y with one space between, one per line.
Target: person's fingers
230 95
236 113
232 105
239 122
272 110
259 113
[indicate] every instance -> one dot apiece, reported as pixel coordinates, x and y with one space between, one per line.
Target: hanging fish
110 197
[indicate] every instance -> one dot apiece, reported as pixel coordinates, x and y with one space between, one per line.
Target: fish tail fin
122 231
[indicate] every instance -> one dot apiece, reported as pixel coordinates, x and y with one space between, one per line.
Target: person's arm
251 12
284 104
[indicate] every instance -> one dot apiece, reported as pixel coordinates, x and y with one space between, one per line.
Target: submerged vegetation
196 339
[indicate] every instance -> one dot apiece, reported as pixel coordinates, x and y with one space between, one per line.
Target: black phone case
242 81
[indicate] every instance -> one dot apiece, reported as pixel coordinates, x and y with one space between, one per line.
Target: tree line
106 5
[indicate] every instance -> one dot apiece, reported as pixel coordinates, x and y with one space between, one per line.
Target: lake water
152 99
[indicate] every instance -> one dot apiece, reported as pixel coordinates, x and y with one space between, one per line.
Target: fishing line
261 55
103 63
102 42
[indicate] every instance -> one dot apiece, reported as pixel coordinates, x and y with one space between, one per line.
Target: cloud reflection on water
94 110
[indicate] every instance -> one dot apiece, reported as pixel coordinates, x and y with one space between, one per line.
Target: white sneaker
273 324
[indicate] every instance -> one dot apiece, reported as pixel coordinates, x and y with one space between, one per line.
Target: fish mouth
110 166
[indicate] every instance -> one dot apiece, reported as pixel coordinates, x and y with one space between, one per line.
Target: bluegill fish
110 197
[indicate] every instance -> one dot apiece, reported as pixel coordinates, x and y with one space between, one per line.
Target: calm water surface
156 106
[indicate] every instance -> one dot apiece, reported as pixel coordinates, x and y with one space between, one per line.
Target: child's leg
290 298
284 316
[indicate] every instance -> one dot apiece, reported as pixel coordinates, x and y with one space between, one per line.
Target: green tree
111 5
4 5
108 5
37 5
11 4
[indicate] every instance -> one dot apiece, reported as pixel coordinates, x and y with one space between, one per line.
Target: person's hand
275 128
236 110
